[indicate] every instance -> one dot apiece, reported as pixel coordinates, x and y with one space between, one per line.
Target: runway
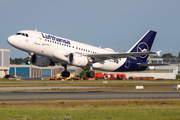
46 87
88 95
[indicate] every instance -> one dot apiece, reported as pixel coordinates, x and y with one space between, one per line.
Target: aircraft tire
65 74
90 74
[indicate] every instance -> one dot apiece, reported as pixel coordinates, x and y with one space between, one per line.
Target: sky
116 24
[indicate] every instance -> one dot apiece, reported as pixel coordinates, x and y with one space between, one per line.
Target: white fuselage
45 45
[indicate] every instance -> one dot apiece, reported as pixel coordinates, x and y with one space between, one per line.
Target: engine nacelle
41 61
77 60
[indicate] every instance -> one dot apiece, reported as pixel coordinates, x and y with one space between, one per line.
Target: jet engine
77 60
41 61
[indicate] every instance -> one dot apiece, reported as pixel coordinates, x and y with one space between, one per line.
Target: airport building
29 71
32 71
172 61
155 60
4 62
158 72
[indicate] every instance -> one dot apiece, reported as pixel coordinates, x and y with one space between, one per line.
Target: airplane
46 50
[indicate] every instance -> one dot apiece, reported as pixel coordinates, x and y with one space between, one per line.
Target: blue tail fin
144 45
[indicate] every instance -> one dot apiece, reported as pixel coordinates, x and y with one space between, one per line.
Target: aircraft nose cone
10 39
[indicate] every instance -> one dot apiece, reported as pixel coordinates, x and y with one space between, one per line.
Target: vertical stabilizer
144 45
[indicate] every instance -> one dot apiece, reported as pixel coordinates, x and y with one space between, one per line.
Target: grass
128 85
161 109
91 109
84 83
114 113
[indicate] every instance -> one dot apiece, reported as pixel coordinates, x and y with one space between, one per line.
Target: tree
168 55
18 60
25 59
179 55
154 56
83 73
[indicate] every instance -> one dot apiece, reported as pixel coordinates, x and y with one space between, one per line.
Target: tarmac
89 95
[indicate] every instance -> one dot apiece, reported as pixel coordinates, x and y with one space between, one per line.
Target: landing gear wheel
29 58
65 74
90 74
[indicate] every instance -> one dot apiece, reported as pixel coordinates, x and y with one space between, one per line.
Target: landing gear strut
65 73
29 59
90 73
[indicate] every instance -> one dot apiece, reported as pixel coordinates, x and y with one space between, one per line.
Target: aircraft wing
115 56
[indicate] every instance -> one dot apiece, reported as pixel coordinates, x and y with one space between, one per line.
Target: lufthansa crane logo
143 47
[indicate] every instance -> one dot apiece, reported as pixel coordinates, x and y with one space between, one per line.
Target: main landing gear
90 73
65 73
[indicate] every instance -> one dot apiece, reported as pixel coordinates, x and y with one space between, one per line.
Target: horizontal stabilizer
132 55
146 65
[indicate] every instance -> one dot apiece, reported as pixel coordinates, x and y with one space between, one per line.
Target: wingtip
158 52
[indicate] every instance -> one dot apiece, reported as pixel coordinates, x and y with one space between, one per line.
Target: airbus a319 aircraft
46 50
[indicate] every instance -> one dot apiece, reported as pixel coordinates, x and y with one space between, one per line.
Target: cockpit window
18 33
23 34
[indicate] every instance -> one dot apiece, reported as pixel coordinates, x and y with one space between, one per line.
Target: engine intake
41 61
77 60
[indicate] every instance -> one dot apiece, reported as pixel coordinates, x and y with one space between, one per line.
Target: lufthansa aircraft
46 50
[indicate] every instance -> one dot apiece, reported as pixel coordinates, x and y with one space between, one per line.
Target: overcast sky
107 23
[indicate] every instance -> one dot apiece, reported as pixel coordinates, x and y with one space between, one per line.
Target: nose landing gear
29 58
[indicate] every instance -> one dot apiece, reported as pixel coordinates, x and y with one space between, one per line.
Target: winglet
158 52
